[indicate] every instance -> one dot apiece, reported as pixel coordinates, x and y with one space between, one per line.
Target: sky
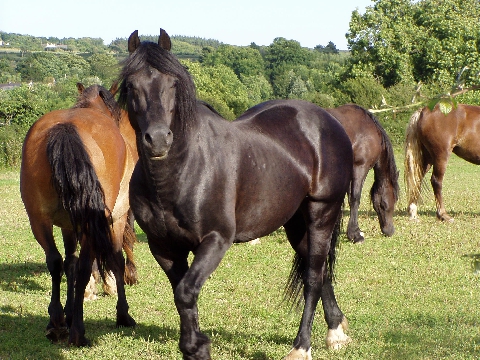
310 22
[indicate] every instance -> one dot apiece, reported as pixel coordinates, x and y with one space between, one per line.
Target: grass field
412 296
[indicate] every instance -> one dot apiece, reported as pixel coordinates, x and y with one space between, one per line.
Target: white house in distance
50 46
3 43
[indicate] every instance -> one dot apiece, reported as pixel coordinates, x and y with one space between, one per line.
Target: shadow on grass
19 276
429 336
23 336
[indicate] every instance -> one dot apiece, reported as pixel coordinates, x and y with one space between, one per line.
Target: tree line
394 46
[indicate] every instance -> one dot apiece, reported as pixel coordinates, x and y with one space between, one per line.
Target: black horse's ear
164 40
80 88
133 42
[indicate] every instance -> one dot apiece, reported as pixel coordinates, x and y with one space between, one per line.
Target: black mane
392 167
151 54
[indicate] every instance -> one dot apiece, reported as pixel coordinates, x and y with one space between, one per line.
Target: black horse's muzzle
156 141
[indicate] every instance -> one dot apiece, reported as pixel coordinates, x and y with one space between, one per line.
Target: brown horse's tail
80 191
413 164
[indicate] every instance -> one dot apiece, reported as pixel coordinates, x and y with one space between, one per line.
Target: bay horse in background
203 183
372 148
431 137
75 172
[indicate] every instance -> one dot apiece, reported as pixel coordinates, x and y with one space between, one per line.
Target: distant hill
183 46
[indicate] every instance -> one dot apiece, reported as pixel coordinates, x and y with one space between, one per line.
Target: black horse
203 183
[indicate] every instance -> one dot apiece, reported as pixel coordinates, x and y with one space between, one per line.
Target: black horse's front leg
194 344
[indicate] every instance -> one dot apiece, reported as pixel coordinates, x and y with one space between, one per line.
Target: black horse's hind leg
313 251
193 344
335 319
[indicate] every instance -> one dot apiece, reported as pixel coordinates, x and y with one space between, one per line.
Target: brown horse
430 139
371 149
75 173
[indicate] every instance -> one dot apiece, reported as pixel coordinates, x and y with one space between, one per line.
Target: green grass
411 296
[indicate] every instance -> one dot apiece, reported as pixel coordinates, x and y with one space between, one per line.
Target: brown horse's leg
118 269
129 239
70 264
83 271
413 203
439 168
353 230
43 232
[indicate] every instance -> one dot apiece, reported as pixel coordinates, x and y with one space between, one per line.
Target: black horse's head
158 93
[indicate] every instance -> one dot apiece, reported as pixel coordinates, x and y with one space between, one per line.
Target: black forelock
151 54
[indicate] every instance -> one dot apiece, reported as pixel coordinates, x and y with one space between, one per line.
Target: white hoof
299 354
412 211
110 285
336 338
254 241
90 290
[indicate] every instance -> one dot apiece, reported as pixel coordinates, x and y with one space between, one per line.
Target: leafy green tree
258 88
410 41
105 66
44 65
329 49
245 61
281 57
220 86
21 106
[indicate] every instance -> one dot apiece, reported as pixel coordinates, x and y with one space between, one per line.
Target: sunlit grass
412 296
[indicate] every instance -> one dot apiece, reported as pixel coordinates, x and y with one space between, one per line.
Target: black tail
79 189
294 287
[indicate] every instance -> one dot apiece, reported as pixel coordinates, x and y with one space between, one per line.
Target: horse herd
195 182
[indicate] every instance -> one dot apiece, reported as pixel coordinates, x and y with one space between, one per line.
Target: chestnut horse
75 172
203 183
371 149
431 137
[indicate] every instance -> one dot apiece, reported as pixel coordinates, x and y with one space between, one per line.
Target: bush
364 91
11 141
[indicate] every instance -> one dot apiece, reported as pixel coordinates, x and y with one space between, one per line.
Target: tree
105 66
410 41
281 57
329 49
219 86
40 66
245 61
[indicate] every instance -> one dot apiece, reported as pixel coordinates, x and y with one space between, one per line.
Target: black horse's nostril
148 139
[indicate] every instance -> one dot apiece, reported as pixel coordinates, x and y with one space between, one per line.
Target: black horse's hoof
359 238
56 335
